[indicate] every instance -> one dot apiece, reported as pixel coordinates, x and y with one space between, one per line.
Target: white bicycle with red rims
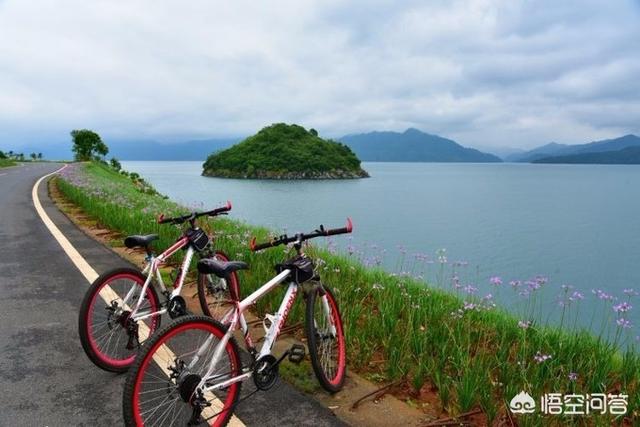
191 373
122 308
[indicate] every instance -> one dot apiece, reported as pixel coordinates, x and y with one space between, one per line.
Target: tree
313 132
39 156
2 155
115 164
33 156
21 157
87 144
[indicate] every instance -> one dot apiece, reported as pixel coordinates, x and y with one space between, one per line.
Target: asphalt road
45 378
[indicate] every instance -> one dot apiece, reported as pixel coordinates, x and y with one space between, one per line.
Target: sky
503 73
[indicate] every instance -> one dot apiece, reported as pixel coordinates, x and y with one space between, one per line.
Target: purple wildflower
524 324
623 323
470 289
623 307
602 295
540 358
630 292
573 376
576 295
469 306
495 281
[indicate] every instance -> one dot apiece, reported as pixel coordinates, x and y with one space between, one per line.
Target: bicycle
191 371
121 309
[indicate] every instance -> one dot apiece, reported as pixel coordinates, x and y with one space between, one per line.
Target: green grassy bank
472 353
6 163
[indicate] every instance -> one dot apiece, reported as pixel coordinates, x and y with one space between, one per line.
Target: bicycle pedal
297 353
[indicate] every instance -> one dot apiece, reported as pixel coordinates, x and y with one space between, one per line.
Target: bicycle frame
153 268
235 317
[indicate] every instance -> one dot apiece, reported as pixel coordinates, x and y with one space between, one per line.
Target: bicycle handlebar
301 237
193 215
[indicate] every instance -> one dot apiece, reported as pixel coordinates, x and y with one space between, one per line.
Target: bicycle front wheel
325 338
108 336
162 386
216 295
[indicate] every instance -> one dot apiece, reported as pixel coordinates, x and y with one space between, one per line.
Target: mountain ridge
412 145
556 150
625 156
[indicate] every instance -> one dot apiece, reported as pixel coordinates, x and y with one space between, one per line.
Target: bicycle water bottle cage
301 268
198 238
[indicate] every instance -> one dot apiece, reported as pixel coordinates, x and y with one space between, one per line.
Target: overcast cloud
491 73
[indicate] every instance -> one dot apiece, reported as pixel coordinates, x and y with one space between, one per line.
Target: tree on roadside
21 157
39 156
115 164
87 145
33 156
2 155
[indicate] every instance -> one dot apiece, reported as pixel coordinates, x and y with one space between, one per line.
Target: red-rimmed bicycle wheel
217 295
161 386
103 325
325 338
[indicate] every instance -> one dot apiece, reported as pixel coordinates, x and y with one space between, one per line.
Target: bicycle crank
265 372
177 307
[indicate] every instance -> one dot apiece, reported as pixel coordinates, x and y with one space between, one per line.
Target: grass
4 163
474 354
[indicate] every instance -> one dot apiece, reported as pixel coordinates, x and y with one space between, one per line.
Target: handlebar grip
343 230
259 246
222 210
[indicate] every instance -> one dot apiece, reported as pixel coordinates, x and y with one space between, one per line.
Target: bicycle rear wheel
161 388
106 332
325 338
216 295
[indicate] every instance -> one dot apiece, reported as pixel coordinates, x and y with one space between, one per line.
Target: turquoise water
577 225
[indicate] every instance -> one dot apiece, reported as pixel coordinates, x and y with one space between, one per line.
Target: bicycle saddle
220 268
138 241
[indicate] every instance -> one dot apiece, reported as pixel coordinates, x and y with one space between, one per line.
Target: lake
578 225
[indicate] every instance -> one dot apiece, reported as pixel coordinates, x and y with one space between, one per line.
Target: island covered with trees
283 151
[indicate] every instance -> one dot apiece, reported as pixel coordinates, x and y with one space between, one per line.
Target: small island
283 151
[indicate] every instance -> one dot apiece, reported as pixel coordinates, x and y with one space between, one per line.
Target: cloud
483 72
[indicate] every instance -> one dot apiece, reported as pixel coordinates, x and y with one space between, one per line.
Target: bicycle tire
226 291
316 338
154 347
85 318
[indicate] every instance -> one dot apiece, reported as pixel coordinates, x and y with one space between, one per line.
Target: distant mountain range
626 156
605 151
412 145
